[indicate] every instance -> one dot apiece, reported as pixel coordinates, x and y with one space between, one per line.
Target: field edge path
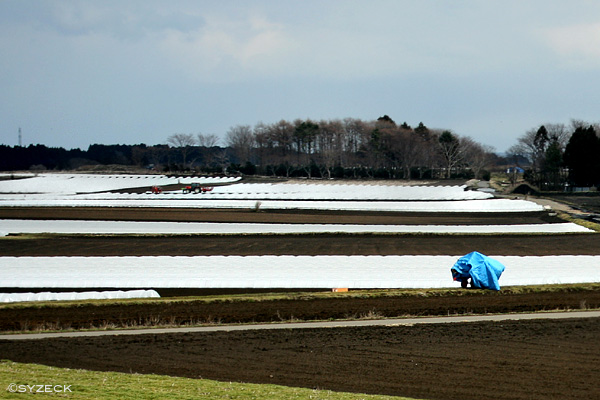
311 325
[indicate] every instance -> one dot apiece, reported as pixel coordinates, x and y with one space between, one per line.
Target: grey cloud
123 20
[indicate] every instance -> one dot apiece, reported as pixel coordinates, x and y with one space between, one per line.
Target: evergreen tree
552 166
582 157
422 131
386 119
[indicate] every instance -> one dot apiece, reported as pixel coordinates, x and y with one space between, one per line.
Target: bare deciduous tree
451 151
207 140
410 149
183 141
241 140
477 156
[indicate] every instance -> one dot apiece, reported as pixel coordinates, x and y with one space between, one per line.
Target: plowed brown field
540 359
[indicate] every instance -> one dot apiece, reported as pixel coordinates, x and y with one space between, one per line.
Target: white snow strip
341 191
90 183
55 296
280 271
73 190
490 205
129 227
93 183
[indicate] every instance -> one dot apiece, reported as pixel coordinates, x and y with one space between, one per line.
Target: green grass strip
582 222
82 384
299 296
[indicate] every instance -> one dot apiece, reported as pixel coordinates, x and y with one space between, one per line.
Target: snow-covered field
490 205
108 294
48 190
72 190
307 191
8 226
280 271
91 183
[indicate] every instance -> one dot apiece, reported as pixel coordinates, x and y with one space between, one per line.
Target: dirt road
306 325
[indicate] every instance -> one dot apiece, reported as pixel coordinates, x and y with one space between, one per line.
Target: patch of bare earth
541 359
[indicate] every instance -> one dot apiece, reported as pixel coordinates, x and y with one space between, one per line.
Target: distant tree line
352 148
163 158
554 156
560 156
349 148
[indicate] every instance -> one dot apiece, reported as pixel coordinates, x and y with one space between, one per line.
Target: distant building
515 170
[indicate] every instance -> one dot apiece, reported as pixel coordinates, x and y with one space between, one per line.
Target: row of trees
561 156
161 157
554 155
349 148
344 148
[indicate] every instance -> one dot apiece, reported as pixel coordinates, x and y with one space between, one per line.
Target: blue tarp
483 271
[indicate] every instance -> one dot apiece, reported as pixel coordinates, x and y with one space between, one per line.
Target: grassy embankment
83 385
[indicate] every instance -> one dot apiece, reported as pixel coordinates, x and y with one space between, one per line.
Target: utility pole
20 138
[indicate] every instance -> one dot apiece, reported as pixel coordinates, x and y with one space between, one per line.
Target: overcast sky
74 73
